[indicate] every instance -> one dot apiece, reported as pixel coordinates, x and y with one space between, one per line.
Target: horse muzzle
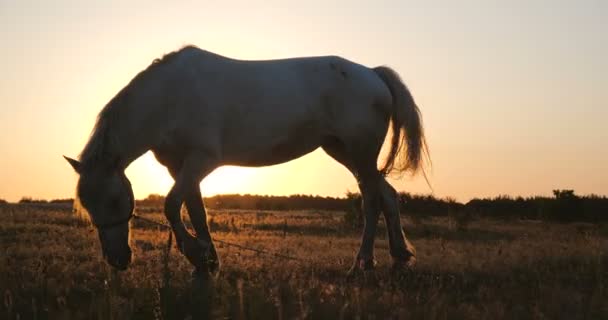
120 260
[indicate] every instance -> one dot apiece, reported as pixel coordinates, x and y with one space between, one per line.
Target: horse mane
103 141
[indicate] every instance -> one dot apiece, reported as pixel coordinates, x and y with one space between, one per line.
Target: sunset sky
514 94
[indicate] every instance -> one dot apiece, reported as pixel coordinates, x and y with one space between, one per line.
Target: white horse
197 110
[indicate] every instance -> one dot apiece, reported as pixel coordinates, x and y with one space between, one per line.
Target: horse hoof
361 267
366 264
201 273
210 265
401 266
207 264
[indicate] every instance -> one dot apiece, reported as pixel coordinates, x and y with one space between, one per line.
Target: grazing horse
196 111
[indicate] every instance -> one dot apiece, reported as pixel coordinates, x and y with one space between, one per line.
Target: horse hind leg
368 184
363 166
401 250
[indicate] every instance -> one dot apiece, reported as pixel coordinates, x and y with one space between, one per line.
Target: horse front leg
186 243
186 188
198 217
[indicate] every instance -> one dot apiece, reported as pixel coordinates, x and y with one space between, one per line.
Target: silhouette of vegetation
564 206
32 200
353 216
260 202
63 201
427 205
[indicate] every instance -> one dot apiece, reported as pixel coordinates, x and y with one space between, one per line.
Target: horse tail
408 147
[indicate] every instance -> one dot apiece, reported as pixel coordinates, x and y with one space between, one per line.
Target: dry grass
50 267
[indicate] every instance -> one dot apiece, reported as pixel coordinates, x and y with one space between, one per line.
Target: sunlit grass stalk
239 286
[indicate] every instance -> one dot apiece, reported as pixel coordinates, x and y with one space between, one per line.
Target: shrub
353 216
32 200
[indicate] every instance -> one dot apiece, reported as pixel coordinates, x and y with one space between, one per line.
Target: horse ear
74 163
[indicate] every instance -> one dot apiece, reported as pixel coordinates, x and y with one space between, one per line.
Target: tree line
261 202
565 205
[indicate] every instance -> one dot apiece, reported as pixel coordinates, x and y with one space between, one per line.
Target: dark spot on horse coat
337 68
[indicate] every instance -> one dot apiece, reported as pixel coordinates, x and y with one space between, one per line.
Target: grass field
51 268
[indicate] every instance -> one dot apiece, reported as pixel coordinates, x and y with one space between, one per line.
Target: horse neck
133 141
131 122
118 143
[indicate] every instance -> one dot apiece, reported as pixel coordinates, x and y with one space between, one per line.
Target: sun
228 179
148 176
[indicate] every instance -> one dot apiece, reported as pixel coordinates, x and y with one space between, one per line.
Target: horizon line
447 198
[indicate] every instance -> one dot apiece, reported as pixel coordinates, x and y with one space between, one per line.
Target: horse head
106 195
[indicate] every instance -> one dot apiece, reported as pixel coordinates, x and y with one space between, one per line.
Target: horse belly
279 151
260 142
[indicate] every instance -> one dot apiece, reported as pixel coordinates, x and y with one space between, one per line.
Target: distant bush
353 217
2 201
152 200
426 205
565 206
32 200
63 201
293 202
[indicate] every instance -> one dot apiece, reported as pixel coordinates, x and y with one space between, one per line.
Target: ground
51 267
